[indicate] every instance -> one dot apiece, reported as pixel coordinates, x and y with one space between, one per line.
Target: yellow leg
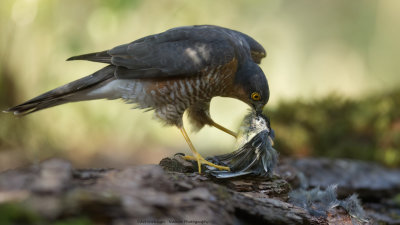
196 156
226 130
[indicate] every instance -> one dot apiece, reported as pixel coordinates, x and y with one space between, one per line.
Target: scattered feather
318 202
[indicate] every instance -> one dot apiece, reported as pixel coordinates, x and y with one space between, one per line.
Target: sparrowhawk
175 71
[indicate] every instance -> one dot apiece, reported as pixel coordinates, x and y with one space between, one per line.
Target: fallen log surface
172 193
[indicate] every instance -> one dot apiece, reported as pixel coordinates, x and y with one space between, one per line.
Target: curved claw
200 160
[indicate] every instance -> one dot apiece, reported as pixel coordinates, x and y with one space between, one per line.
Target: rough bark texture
173 194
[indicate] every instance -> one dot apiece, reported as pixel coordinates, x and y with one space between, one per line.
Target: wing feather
181 58
182 51
102 57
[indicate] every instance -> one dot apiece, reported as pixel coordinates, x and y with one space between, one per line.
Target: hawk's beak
257 109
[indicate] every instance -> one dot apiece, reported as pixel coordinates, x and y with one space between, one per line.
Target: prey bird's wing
177 52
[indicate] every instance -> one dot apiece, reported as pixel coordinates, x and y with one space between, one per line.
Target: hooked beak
257 109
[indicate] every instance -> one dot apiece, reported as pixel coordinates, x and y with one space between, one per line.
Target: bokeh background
333 69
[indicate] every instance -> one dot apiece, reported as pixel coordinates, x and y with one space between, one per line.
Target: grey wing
168 59
257 51
154 58
102 57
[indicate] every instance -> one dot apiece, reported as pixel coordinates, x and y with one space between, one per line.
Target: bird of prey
175 71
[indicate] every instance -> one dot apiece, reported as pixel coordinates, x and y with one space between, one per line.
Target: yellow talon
189 157
203 161
197 157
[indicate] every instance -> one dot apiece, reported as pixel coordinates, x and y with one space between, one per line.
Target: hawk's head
251 86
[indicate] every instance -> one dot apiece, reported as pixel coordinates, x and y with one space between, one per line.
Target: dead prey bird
255 154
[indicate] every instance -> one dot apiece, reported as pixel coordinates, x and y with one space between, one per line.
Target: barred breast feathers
168 97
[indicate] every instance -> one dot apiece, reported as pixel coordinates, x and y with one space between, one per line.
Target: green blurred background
333 69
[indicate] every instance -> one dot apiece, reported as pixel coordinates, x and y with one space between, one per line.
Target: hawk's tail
64 94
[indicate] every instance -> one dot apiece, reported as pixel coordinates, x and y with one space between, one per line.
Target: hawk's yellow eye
256 96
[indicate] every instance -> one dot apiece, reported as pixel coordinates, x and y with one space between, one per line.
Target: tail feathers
28 108
102 57
64 94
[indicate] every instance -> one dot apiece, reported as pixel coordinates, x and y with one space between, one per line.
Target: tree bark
171 193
